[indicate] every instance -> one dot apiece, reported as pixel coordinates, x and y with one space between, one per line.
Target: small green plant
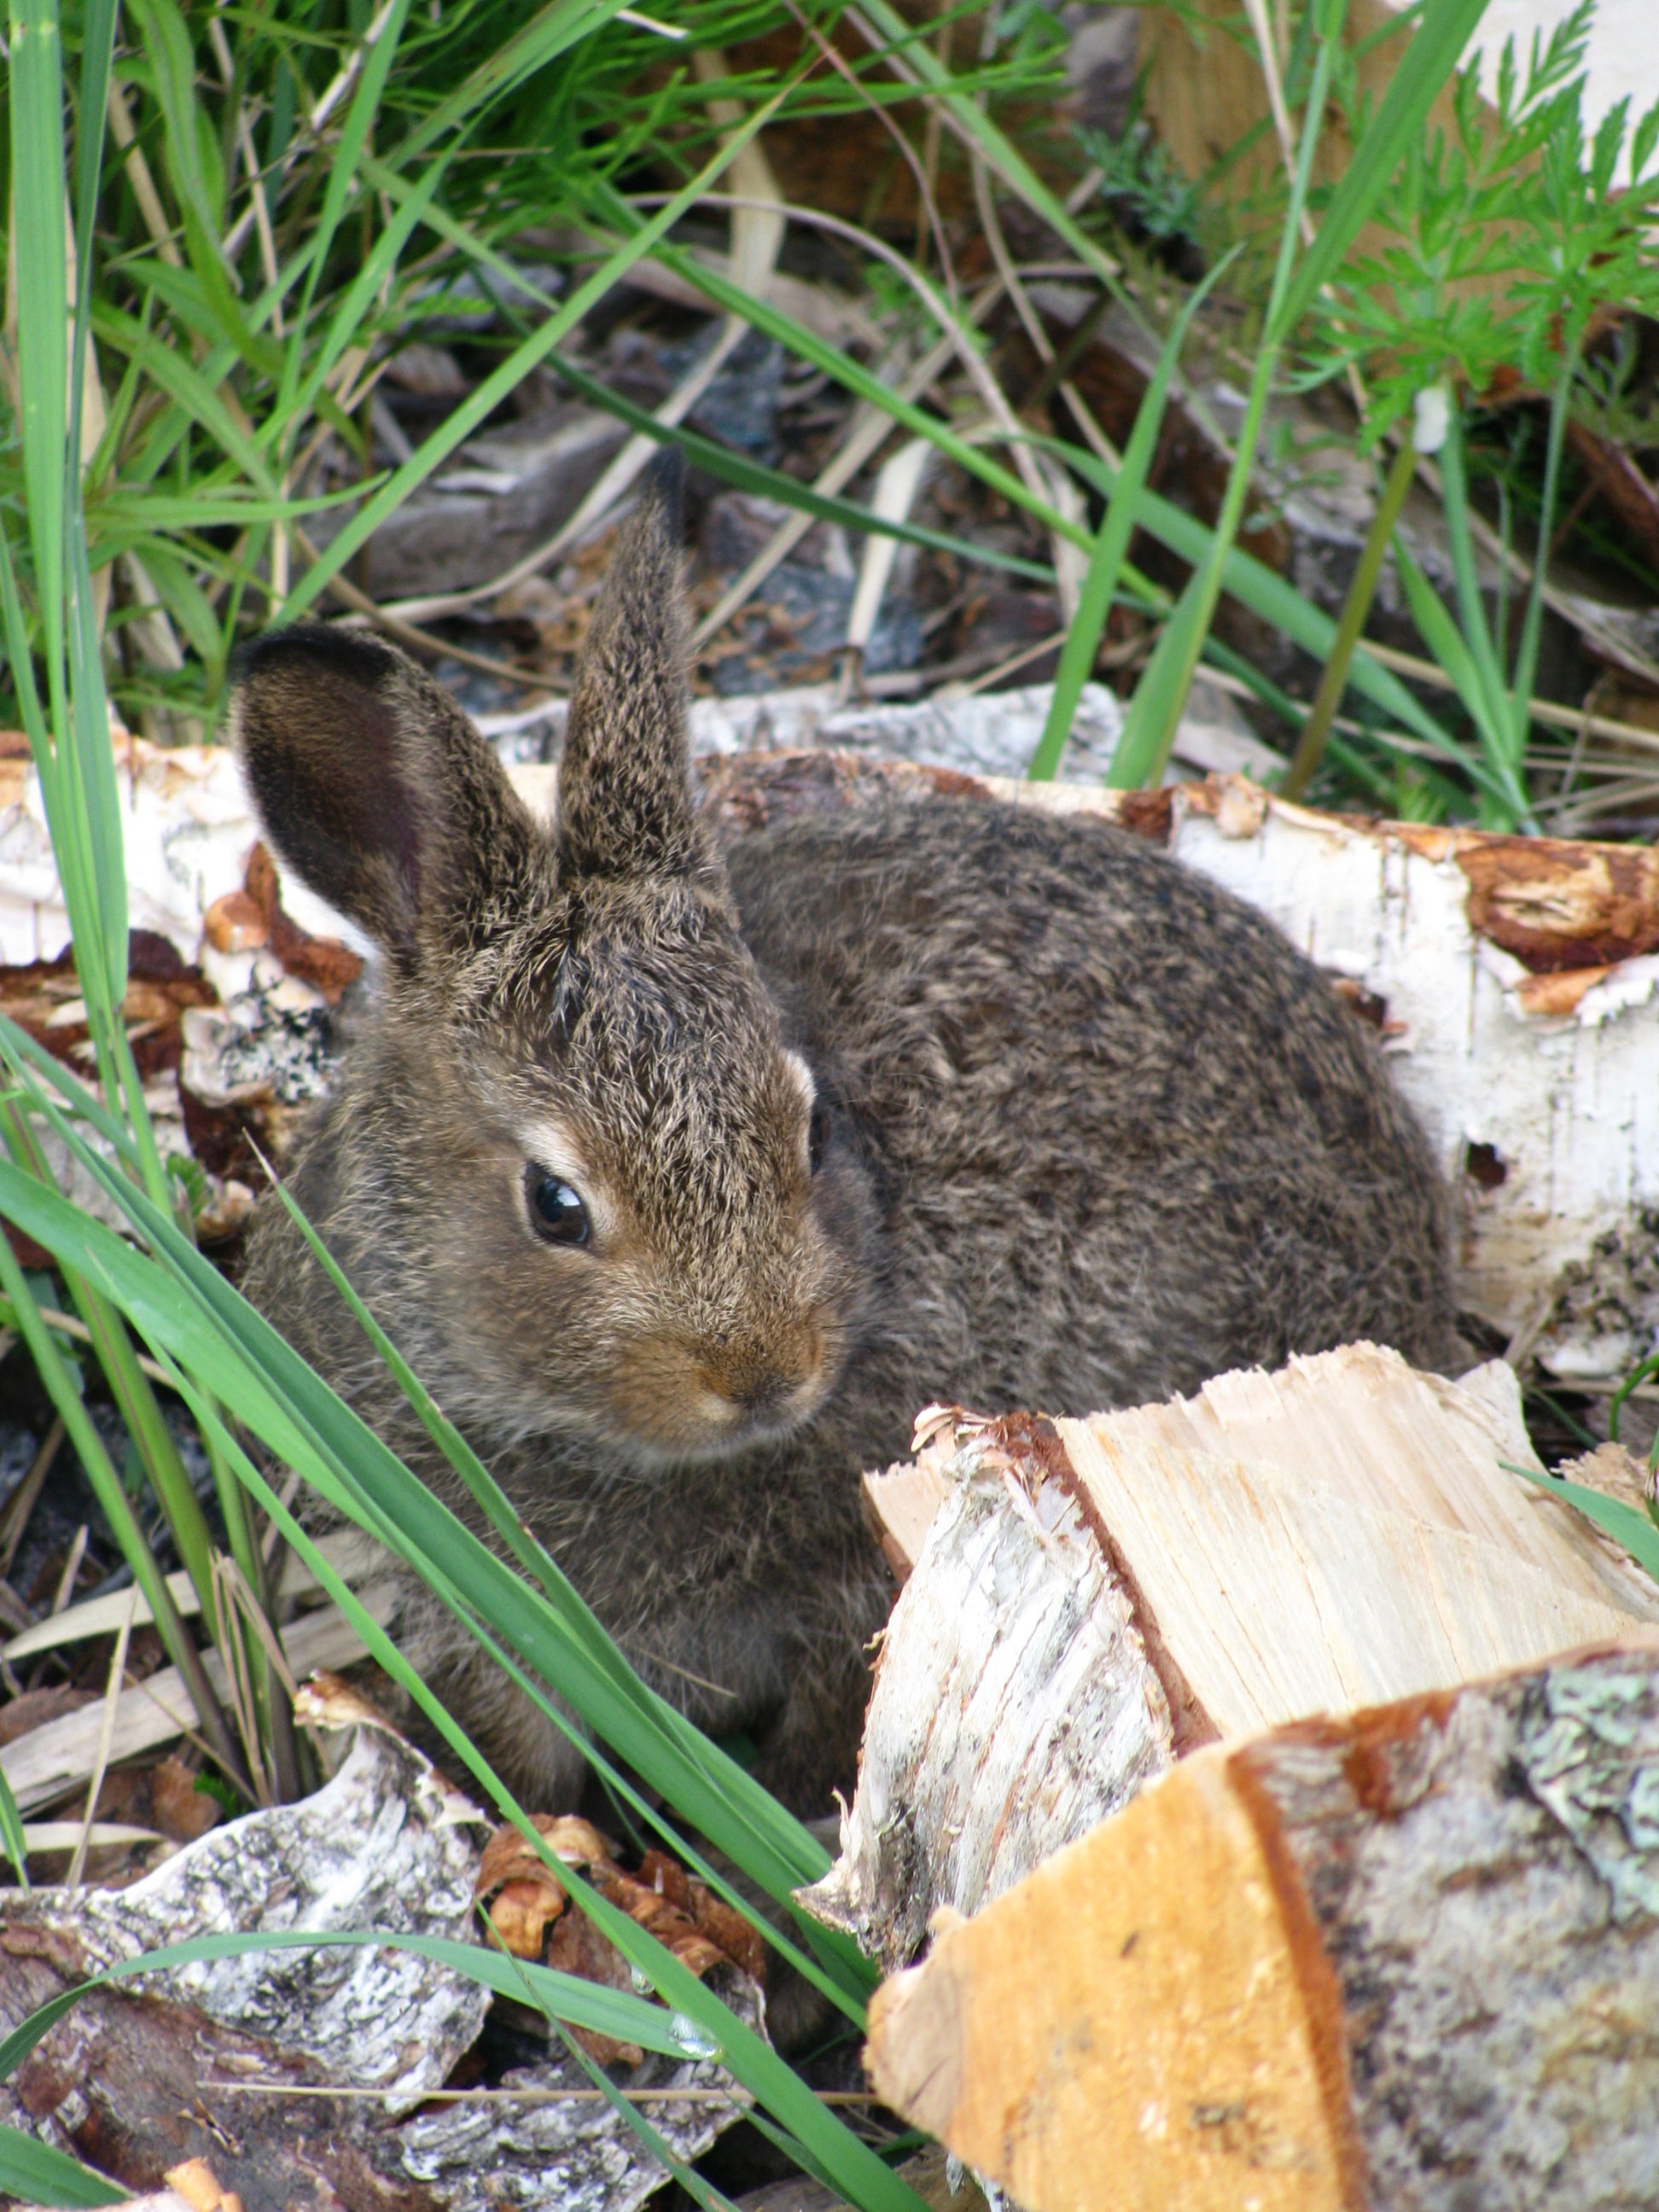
1506 246
1157 201
1300 277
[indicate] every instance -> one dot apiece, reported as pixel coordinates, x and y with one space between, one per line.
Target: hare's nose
764 1384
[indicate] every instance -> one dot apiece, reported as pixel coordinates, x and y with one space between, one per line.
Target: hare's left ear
375 786
625 806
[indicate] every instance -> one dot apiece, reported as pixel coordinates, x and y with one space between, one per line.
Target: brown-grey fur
1090 1131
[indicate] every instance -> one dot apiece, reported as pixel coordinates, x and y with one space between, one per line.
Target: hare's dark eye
556 1212
818 1136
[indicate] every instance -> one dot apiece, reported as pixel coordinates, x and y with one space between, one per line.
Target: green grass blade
1140 756
1356 610
1444 640
97 48
735 468
1076 658
488 396
196 393
78 774
1636 1531
701 2192
37 1064
37 184
11 1833
1143 752
60 1385
1279 602
852 2165
1450 648
1471 606
1444 30
343 179
617 2013
346 325
1001 155
864 383
1526 659
745 475
167 48
844 1989
549 33
33 2173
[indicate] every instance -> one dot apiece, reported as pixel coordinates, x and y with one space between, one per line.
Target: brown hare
686 1168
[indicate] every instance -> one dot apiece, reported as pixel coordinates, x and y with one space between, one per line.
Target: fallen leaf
508 1857
322 960
178 1808
235 923
528 1908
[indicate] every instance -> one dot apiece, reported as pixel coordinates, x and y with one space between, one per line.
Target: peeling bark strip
1556 904
1328 1538
1407 1961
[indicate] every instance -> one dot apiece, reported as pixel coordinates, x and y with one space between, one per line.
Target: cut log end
1410 1958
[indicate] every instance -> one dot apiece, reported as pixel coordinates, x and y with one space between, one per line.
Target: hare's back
1138 1133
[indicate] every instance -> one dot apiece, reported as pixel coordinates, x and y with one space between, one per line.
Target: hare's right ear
376 788
625 808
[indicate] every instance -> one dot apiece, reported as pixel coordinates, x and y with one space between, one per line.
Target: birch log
1406 1961
1512 977
1094 1598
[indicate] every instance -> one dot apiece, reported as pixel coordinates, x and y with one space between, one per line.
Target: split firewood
1403 1961
1095 1598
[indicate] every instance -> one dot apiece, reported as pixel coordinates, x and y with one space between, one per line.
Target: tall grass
183 452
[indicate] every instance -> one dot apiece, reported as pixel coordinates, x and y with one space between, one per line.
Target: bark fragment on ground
385 1844
131 2085
1094 1598
210 2059
1405 1961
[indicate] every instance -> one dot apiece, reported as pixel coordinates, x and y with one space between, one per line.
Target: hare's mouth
713 1406
713 1425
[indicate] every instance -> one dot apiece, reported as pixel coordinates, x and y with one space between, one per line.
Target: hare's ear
375 786
624 794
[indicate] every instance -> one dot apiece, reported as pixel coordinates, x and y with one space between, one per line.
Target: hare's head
615 1205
